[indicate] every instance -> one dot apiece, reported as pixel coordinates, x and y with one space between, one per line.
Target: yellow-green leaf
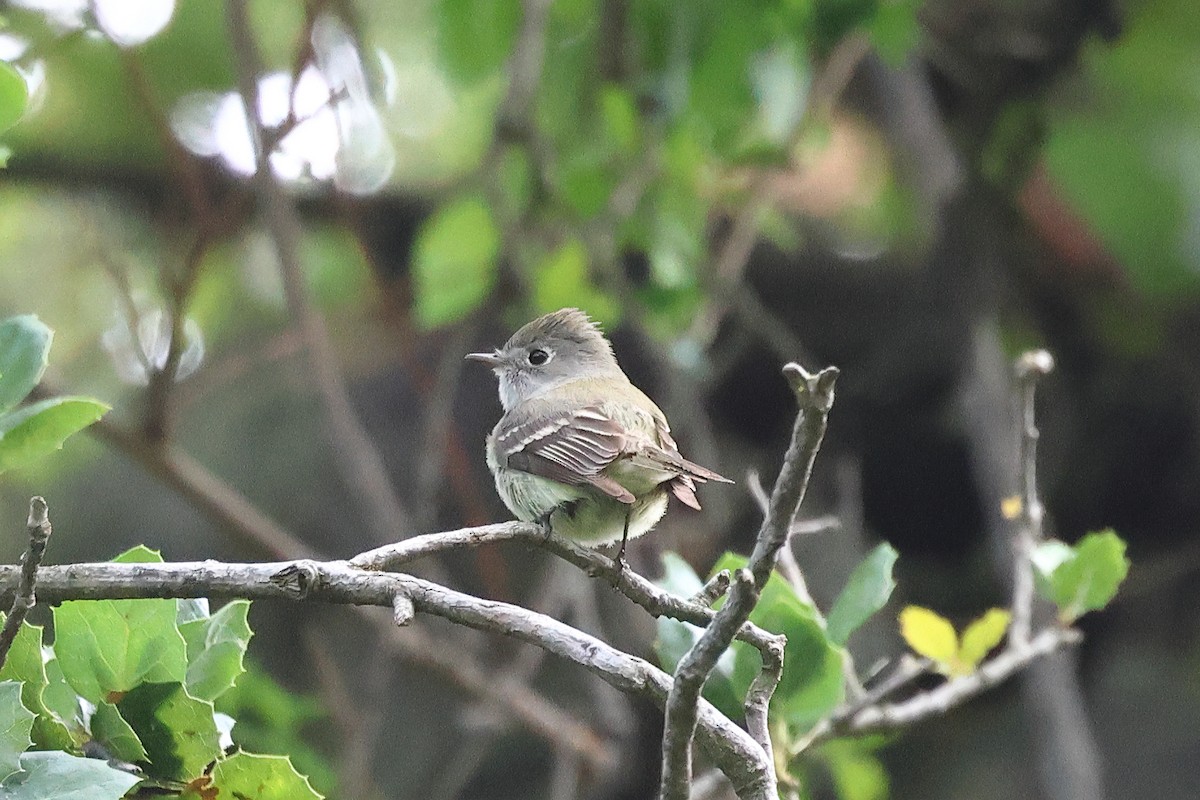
981 636
929 634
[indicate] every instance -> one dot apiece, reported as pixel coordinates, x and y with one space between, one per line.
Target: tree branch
657 602
731 748
814 394
24 598
939 700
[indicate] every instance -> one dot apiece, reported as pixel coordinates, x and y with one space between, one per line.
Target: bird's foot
544 522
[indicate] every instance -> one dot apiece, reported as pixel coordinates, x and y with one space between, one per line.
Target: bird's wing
572 448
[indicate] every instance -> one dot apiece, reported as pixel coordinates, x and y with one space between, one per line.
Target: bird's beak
491 359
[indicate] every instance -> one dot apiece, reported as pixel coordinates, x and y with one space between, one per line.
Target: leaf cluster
123 701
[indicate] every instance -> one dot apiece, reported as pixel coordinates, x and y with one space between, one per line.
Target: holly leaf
54 775
215 649
24 665
110 729
1081 578
107 647
16 723
253 777
177 731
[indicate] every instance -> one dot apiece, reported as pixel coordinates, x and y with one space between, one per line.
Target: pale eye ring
538 356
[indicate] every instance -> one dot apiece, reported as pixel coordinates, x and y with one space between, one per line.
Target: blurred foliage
1129 158
32 431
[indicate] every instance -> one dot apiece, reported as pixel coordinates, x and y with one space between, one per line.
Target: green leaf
866 592
454 261
981 636
14 94
24 349
110 729
16 723
60 776
62 702
24 665
1087 578
254 777
139 554
619 112
188 609
272 719
929 634
812 683
178 732
895 30
474 38
106 647
215 648
41 428
561 279
857 773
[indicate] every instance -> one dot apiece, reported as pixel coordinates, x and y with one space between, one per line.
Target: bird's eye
538 357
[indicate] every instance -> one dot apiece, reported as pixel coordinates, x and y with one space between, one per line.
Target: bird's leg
620 559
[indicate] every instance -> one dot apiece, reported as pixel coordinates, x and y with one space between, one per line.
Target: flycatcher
580 447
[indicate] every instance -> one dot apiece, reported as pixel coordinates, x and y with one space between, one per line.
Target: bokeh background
913 191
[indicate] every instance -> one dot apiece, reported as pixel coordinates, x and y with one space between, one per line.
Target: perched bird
579 446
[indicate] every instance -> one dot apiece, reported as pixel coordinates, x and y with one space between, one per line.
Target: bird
579 448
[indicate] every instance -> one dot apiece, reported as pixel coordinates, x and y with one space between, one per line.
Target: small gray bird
579 446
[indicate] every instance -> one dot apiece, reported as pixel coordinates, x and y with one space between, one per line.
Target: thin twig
25 598
939 700
1029 369
713 589
814 394
906 670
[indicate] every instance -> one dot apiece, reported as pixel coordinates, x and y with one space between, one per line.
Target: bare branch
25 599
814 394
713 589
1030 368
656 601
731 748
939 700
